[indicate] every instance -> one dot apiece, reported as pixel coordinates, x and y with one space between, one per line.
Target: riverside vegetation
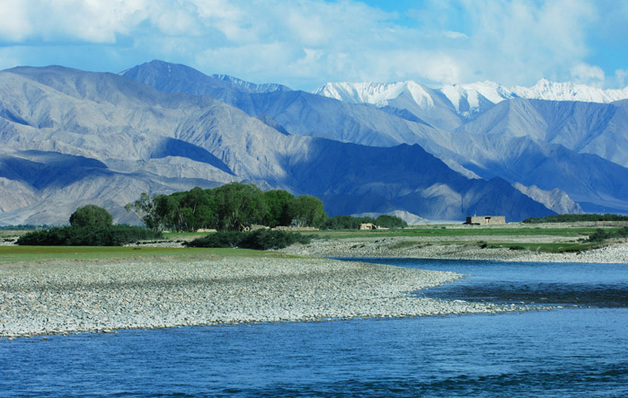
233 209
65 289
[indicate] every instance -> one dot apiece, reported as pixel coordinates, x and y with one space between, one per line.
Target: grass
559 247
41 253
564 247
454 232
466 235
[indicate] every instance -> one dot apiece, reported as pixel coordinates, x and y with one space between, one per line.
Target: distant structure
485 220
369 225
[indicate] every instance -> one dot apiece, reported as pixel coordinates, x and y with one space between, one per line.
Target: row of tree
89 226
230 207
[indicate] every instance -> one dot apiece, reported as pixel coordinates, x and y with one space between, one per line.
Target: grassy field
558 238
568 232
555 238
41 253
541 247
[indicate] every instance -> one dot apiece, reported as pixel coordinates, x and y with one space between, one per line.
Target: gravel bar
403 247
61 297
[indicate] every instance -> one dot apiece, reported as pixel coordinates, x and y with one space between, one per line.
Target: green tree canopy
307 211
277 202
230 207
239 205
91 216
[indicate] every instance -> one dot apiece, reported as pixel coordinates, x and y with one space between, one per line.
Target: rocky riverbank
442 249
58 297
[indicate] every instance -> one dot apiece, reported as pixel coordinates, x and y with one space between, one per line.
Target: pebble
402 247
62 297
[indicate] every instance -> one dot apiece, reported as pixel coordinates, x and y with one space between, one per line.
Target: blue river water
578 349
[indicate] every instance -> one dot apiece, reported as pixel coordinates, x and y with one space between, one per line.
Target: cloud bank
305 43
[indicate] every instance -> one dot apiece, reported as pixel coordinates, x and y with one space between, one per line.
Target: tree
196 209
277 201
144 208
388 221
239 205
307 211
164 211
91 216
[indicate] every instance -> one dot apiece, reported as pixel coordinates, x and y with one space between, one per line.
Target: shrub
116 235
262 239
218 240
346 222
601 235
91 216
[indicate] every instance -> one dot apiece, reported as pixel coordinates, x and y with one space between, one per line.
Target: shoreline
65 297
72 296
400 247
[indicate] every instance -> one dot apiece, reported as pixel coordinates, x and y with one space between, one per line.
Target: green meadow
464 232
41 253
562 238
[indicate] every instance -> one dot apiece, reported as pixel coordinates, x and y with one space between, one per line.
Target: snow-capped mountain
465 99
377 93
553 91
469 99
69 138
462 100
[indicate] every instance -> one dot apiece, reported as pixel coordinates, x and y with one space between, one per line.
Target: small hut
486 220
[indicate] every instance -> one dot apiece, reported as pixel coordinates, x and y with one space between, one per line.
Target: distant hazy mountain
297 112
479 130
495 142
69 138
582 127
556 200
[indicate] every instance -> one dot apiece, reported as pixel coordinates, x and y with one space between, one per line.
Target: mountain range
465 99
70 137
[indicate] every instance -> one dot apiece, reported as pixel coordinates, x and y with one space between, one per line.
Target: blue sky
306 43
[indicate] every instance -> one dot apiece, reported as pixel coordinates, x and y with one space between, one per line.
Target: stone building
486 220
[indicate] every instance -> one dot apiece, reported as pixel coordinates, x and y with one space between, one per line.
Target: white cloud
304 43
621 78
519 42
15 25
588 74
92 21
454 35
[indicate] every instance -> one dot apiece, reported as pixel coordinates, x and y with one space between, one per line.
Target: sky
307 43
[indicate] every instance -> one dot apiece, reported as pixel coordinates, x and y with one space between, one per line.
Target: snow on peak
466 99
469 98
376 93
553 91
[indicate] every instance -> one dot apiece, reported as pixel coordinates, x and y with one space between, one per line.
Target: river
579 348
